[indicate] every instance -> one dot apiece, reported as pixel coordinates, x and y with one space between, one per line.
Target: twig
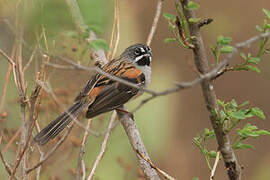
117 27
215 166
182 34
40 159
164 174
28 131
204 22
103 146
112 33
155 22
82 151
49 154
30 60
14 137
5 88
5 163
7 57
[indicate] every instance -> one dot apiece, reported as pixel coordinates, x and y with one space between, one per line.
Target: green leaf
212 154
243 55
233 103
257 112
223 40
223 115
244 104
192 5
266 25
169 16
208 134
195 178
254 60
226 49
237 115
242 146
259 28
253 68
267 13
221 103
263 132
168 40
193 20
99 44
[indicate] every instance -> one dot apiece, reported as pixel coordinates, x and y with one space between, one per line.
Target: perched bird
102 94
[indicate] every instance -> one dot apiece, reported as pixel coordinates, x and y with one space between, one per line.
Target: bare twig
14 137
7 57
28 130
82 151
40 159
164 174
5 88
215 166
103 146
49 154
5 163
117 18
155 22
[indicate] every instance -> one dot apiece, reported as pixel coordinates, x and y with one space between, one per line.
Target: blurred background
167 124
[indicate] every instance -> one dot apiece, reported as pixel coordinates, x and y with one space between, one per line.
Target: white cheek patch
138 58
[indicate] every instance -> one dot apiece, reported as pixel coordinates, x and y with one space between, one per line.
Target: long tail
57 125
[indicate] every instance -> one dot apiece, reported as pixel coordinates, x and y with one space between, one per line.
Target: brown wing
112 94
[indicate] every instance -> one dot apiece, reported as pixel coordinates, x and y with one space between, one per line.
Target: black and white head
139 54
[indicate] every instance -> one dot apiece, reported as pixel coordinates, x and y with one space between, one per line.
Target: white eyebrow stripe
142 49
139 57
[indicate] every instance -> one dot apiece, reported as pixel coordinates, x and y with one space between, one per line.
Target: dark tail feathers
57 125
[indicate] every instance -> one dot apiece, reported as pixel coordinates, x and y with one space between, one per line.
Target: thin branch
82 151
215 166
117 28
103 146
137 145
5 88
7 57
5 163
155 22
49 154
14 137
164 174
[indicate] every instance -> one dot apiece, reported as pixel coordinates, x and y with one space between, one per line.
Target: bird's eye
137 51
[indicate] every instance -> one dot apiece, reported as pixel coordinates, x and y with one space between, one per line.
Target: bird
102 94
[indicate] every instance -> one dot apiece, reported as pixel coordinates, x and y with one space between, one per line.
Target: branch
82 151
215 166
103 146
200 58
5 163
155 22
164 174
52 150
137 145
